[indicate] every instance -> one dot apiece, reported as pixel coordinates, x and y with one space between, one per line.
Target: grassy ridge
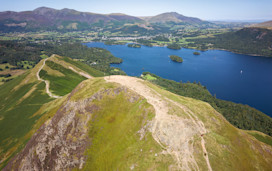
241 116
113 130
64 84
117 145
84 67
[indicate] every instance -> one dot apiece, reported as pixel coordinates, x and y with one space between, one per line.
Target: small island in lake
176 58
134 45
174 46
196 53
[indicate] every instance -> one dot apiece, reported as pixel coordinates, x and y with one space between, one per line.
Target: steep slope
173 17
267 25
22 97
122 123
44 17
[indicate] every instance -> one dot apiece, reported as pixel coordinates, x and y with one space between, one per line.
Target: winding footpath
80 73
47 83
176 135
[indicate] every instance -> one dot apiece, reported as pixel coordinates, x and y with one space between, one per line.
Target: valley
112 91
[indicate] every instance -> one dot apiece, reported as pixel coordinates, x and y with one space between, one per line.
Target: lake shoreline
217 69
255 55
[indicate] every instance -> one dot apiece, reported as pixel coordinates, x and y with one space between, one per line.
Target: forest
174 46
14 52
134 45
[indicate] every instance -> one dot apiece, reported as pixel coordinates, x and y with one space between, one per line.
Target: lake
234 77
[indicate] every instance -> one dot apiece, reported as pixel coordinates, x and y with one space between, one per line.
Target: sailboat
241 71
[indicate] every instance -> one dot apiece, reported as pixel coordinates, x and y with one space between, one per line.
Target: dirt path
175 134
80 73
47 84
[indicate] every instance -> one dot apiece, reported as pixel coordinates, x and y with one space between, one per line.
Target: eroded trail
175 134
47 84
80 73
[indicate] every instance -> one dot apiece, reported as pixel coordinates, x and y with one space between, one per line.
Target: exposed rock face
60 143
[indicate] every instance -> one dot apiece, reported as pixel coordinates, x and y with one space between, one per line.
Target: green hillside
23 96
104 125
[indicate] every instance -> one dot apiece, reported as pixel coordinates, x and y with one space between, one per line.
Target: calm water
219 71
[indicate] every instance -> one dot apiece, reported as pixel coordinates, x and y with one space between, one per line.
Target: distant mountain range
50 19
65 18
69 19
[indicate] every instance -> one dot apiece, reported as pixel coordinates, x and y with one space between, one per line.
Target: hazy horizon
244 10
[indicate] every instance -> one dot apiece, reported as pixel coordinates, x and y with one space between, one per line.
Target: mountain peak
116 14
67 10
173 17
174 13
43 10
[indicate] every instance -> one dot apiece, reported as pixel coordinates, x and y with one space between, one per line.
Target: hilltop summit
173 17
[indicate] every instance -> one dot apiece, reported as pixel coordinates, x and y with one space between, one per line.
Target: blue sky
204 9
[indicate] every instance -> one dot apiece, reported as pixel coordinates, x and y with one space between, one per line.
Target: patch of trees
174 46
176 58
161 38
133 45
241 116
145 42
14 52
